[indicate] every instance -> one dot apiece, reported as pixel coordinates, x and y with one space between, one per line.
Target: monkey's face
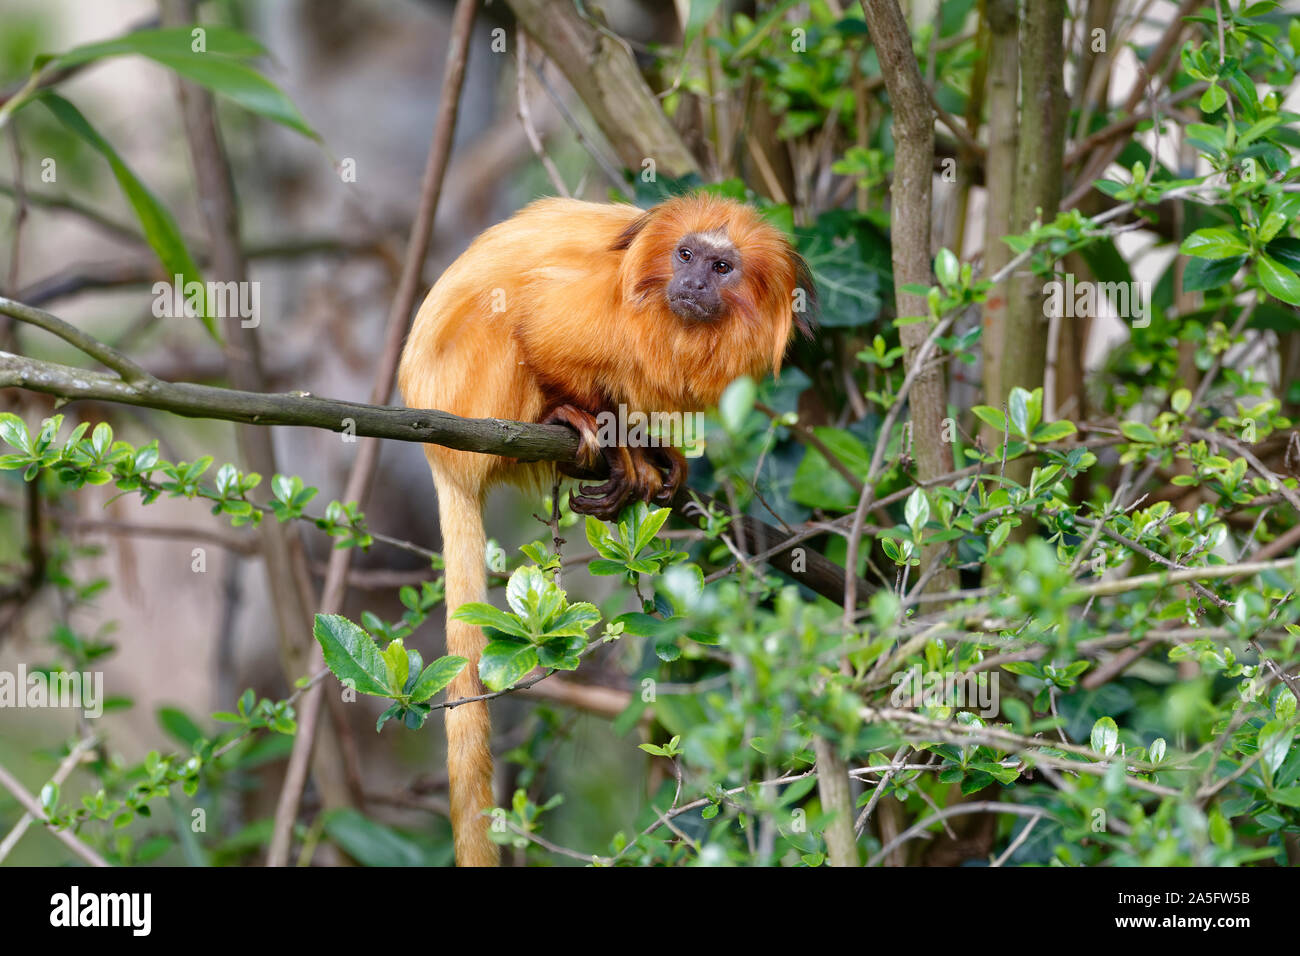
704 266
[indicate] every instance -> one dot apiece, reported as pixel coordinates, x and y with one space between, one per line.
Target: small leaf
1279 281
650 526
1213 98
1136 431
14 431
351 654
436 676
1202 274
485 615
1214 243
1053 431
1018 404
397 665
737 402
946 268
916 510
1104 738
991 416
505 663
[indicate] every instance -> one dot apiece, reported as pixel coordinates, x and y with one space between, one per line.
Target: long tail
469 728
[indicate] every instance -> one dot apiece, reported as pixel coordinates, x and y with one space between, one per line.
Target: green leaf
393 711
398 665
1104 738
1214 243
561 653
1287 796
14 431
701 12
1213 98
916 510
649 527
351 654
1053 431
1136 431
179 725
1024 668
575 621
1274 743
505 663
160 229
1279 281
991 416
644 625
170 41
216 68
436 676
241 84
1020 404
485 615
737 402
1202 274
817 484
1285 250
946 268
373 844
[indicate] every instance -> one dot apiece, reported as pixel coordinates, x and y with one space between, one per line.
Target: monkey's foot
606 500
636 474
589 451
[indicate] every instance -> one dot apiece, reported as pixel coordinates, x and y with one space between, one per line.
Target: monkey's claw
671 466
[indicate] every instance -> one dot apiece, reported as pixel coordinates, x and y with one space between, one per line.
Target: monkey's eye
684 254
722 267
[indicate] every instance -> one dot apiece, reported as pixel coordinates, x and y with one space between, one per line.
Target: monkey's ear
628 235
805 320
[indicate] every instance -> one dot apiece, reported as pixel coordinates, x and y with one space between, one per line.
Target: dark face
704 264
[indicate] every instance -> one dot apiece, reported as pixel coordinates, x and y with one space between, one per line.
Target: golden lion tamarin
562 312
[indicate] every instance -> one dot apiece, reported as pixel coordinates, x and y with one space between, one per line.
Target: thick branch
913 130
603 72
518 440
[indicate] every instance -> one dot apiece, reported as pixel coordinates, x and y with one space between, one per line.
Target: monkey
563 312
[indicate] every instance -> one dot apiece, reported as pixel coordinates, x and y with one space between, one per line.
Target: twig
525 116
61 773
29 803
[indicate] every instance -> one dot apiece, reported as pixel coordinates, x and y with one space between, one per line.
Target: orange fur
564 304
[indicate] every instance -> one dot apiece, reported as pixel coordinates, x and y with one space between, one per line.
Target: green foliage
397 672
1187 754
